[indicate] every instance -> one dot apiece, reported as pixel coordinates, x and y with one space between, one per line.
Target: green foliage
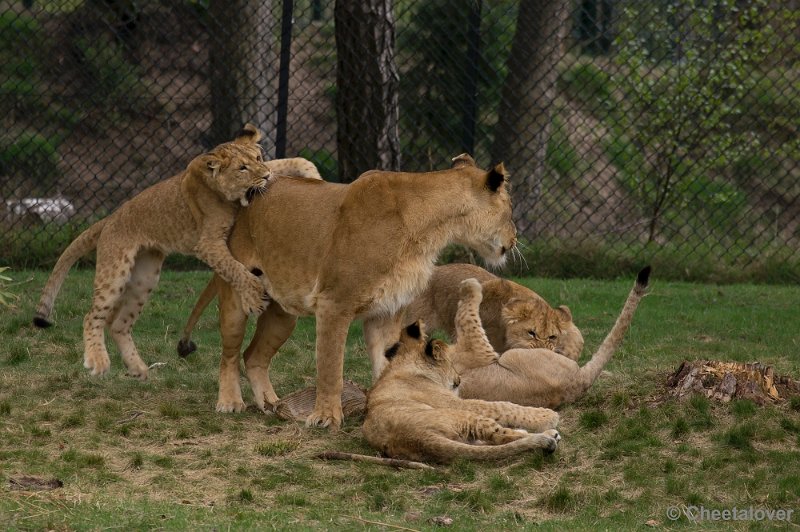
32 157
7 297
433 52
112 77
324 161
685 68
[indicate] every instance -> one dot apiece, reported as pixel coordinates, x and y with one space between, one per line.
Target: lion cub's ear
207 165
564 313
463 160
512 311
248 134
416 330
436 349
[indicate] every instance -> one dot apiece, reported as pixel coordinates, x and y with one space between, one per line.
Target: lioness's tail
185 345
588 373
447 450
86 242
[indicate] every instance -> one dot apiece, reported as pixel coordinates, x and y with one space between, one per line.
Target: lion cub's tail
446 450
588 373
86 242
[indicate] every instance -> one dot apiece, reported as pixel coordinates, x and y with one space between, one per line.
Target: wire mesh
639 128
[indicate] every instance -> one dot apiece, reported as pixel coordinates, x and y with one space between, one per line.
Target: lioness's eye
532 333
553 338
243 168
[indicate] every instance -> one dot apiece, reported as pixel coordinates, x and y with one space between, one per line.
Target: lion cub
541 377
190 213
414 412
512 315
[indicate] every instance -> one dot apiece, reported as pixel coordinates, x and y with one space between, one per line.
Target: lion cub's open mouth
252 191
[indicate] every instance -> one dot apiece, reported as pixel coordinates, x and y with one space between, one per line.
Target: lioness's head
433 358
236 170
532 323
489 228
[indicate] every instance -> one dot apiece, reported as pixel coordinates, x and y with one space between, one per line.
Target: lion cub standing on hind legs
414 410
190 213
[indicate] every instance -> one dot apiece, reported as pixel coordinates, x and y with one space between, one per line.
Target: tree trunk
243 69
523 126
367 82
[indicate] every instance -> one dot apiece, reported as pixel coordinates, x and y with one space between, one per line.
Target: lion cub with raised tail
541 377
414 412
190 213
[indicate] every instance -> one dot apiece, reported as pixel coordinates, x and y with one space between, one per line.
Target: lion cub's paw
470 288
98 363
553 433
254 298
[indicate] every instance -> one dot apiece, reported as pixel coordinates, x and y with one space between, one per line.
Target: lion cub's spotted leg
213 250
490 431
114 265
274 327
472 347
233 322
144 277
513 415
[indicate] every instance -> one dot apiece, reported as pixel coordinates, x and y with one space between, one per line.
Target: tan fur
190 213
513 315
414 412
369 252
541 377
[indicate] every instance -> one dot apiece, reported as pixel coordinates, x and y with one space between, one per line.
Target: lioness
513 315
414 411
370 251
541 377
190 213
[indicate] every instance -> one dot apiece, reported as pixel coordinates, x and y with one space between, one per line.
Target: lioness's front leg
274 326
332 325
232 324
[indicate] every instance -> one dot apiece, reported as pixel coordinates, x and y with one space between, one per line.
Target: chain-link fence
633 129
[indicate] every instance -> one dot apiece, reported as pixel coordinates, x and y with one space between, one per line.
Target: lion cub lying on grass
190 213
541 377
414 412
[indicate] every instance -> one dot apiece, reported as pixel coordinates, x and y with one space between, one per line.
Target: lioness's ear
436 349
249 133
496 177
564 313
463 160
206 163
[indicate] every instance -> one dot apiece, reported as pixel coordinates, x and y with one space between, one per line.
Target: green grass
147 455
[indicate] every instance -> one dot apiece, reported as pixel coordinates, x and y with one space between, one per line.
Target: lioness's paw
322 418
470 288
226 407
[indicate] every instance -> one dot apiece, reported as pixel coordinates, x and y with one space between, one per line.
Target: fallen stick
391 462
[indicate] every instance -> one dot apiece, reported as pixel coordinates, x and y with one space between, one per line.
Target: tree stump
723 381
